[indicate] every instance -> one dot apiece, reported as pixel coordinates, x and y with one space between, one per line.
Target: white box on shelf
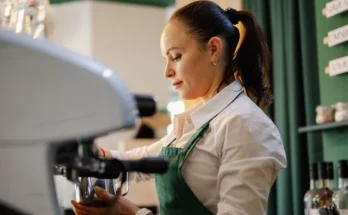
338 66
335 7
337 36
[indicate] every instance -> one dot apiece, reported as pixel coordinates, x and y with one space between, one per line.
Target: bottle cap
322 170
343 168
330 171
313 171
342 163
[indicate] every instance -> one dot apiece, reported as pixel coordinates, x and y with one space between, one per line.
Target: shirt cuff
118 155
144 211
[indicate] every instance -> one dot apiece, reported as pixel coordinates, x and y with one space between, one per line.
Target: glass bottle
330 173
313 183
323 196
340 197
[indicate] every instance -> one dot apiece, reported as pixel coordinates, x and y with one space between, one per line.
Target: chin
184 96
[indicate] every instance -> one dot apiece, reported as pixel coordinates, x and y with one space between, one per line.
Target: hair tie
232 15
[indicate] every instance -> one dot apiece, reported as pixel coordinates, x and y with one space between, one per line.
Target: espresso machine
54 104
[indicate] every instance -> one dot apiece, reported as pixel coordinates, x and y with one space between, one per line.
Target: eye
176 58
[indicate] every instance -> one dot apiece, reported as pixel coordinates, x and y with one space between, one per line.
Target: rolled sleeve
251 156
152 150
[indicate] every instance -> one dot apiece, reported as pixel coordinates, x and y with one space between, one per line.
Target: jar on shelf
325 114
341 112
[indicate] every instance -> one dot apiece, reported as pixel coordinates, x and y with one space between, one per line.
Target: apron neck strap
240 93
201 131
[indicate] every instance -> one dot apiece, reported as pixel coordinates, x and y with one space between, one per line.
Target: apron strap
193 141
201 132
240 93
171 142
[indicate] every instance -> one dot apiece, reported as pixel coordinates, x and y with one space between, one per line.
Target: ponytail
252 60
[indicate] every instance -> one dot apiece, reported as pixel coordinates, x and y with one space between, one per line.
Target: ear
215 46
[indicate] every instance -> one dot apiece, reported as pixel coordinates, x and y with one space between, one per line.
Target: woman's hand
118 206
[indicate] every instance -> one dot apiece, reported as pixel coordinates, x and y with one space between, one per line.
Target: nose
169 72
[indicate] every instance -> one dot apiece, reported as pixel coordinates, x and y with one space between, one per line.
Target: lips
177 83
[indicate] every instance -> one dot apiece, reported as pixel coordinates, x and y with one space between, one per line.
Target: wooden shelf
327 126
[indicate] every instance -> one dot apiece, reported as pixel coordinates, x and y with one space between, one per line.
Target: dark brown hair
206 19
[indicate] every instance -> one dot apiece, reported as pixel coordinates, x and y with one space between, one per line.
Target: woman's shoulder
244 125
244 108
244 115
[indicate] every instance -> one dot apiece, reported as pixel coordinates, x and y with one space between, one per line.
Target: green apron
175 196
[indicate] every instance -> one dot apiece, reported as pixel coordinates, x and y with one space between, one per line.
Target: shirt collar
179 119
203 112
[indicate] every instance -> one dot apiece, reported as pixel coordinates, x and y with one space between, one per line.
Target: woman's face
188 65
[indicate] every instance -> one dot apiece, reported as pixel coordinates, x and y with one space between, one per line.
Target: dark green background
295 30
332 89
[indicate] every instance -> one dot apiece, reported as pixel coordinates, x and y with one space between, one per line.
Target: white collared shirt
232 169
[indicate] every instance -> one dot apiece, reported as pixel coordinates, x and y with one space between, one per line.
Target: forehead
174 35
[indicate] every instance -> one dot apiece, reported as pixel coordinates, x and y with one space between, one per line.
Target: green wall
332 89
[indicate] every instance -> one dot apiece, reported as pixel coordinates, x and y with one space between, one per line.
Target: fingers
87 210
103 194
78 213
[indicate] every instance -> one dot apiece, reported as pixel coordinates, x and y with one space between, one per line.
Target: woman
224 153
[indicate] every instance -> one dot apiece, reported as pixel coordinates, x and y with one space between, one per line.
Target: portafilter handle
110 169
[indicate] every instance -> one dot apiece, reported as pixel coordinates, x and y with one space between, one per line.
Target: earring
214 63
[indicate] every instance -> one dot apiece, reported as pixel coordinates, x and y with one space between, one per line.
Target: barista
224 152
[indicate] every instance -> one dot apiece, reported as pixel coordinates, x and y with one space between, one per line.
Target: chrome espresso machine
54 104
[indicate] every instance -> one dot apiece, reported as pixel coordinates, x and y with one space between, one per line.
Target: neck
342 183
217 87
213 90
331 184
312 184
315 184
324 183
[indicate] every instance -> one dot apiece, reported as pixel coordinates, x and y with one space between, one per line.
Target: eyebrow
174 47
